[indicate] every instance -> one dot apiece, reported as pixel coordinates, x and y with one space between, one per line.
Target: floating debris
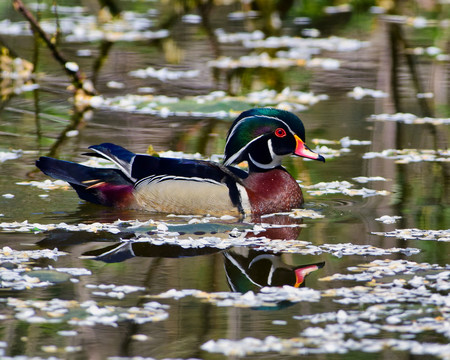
386 219
225 37
345 143
365 179
237 239
87 313
115 85
57 8
78 28
358 93
308 45
408 118
305 213
433 51
16 74
341 187
191 19
329 153
164 74
302 20
72 66
200 106
418 22
241 15
18 256
25 226
417 234
314 33
346 249
46 184
378 269
10 155
352 330
253 61
406 156
324 63
168 235
140 337
267 297
114 291
19 274
319 341
427 95
264 60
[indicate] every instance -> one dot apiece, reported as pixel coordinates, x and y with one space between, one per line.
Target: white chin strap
276 159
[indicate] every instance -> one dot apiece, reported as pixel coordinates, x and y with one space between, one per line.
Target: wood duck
261 136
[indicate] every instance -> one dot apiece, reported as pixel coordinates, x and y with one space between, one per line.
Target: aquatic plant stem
77 78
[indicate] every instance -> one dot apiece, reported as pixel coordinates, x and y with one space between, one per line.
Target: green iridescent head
262 136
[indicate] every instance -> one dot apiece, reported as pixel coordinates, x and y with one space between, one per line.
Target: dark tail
97 185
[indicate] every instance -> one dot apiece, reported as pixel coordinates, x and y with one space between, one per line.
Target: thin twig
77 79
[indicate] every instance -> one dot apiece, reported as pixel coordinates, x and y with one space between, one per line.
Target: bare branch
77 78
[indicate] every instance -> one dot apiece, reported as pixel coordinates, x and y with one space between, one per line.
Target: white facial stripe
270 117
276 160
274 163
241 150
235 263
269 145
269 278
247 117
235 127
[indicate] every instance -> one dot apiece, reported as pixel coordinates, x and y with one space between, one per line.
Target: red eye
280 132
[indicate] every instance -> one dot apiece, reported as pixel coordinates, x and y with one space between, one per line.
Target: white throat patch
276 159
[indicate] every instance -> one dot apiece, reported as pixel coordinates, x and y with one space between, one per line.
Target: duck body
262 137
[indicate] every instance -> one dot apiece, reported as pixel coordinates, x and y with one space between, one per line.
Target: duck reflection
127 250
246 268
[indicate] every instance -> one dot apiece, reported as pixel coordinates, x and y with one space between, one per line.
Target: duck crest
272 191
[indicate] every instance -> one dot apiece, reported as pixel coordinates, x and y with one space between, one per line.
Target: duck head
263 136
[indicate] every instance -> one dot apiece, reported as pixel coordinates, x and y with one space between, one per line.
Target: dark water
401 309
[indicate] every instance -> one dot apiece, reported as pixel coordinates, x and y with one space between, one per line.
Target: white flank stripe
245 201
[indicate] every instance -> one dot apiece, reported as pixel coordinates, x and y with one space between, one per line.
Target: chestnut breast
272 191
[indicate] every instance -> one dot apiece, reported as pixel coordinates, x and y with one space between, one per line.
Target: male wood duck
261 136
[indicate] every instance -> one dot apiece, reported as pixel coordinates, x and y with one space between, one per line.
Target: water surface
74 286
